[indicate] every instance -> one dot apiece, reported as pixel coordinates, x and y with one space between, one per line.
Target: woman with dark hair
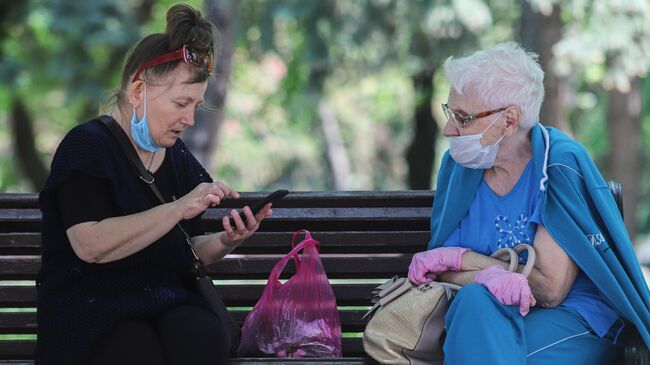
115 282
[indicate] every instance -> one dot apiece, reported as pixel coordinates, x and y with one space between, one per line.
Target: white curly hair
501 76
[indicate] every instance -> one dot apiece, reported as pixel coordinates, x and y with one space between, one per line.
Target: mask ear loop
145 100
145 105
491 124
494 121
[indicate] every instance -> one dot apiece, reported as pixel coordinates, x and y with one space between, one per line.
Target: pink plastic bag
298 318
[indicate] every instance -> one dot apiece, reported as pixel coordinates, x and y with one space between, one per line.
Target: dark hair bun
186 25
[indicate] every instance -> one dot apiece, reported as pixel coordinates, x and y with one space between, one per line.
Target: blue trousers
481 330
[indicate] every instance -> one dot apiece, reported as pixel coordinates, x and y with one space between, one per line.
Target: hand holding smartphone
257 206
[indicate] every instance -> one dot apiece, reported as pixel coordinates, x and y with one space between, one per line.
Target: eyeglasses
461 120
189 55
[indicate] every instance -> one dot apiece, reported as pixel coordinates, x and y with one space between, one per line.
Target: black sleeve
85 198
193 174
196 227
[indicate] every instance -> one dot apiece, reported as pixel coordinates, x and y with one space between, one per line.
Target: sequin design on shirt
510 234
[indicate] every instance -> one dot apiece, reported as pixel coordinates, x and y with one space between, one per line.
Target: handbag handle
532 256
513 255
279 267
507 254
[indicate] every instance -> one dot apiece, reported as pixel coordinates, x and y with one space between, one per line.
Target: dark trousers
183 335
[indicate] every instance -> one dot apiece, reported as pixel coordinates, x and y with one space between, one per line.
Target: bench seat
366 238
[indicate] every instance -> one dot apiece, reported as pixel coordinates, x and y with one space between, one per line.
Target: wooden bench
366 238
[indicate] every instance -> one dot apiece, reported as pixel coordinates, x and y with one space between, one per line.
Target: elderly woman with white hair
508 180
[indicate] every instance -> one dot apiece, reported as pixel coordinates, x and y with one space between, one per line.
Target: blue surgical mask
468 151
140 129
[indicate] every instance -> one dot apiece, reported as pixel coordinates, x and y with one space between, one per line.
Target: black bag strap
144 175
131 154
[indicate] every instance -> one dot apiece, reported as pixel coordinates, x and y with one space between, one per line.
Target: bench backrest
366 238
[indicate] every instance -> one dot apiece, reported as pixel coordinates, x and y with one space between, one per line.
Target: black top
86 198
78 301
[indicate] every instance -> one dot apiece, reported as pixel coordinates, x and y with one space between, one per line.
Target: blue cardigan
578 210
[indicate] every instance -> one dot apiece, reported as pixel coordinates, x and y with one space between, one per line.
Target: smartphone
257 206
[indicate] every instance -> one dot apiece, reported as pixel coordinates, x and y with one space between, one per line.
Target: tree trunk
336 152
24 147
202 138
421 153
624 114
539 33
116 58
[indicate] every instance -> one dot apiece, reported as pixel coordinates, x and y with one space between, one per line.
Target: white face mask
468 151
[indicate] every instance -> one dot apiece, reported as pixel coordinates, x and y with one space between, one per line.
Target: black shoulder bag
202 282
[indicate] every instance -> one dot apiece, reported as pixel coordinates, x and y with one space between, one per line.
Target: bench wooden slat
283 219
294 199
18 323
342 361
350 320
247 295
233 295
18 200
19 267
404 198
341 241
336 266
17 350
18 215
25 322
17 296
256 361
312 213
247 267
20 220
346 219
22 243
352 347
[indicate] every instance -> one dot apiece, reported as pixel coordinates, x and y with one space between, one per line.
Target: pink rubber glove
510 288
425 266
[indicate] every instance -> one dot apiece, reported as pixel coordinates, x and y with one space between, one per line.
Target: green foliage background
55 55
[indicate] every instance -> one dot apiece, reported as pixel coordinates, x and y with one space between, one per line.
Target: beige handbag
408 324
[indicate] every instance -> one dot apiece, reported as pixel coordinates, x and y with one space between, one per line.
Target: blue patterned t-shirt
494 221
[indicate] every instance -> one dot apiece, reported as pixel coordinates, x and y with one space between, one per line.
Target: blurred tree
76 45
624 116
13 13
202 138
612 35
363 37
304 34
432 32
24 144
539 31
433 39
296 60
